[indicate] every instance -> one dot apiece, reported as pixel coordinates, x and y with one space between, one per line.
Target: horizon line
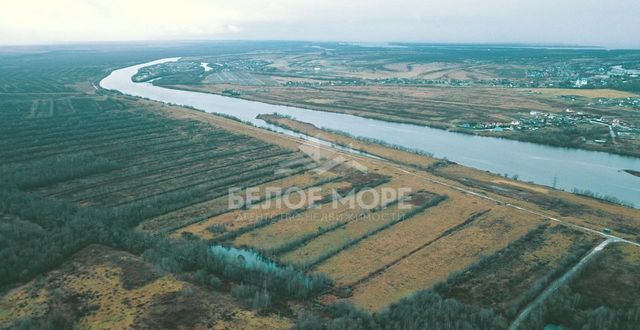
537 45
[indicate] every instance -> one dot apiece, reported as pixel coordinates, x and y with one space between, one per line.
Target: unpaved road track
558 283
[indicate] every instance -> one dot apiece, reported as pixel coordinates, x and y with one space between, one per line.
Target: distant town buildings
569 118
581 82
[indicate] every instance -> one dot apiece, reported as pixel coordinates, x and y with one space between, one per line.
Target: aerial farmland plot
121 211
431 264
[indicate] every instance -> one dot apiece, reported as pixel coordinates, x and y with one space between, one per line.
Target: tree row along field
128 196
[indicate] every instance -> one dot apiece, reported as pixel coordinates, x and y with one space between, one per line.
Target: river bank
562 168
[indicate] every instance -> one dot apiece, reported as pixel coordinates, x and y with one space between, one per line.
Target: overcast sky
610 23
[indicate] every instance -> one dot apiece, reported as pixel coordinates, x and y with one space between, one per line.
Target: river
598 172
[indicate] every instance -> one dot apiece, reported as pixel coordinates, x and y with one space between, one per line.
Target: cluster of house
495 126
149 73
537 119
633 102
246 65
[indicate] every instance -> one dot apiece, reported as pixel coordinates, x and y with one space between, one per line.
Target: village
535 120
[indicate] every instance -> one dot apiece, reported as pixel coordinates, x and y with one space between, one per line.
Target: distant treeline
606 198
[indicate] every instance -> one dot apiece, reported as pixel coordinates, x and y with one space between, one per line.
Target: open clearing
113 289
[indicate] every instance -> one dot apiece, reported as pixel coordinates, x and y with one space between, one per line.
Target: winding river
598 172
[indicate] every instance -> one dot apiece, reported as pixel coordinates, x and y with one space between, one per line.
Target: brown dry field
538 189
315 249
110 289
295 227
579 210
436 106
314 215
432 71
373 253
590 93
381 69
435 262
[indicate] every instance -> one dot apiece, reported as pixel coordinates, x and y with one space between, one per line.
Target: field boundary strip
475 216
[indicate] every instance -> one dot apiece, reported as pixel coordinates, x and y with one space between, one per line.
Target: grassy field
108 289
